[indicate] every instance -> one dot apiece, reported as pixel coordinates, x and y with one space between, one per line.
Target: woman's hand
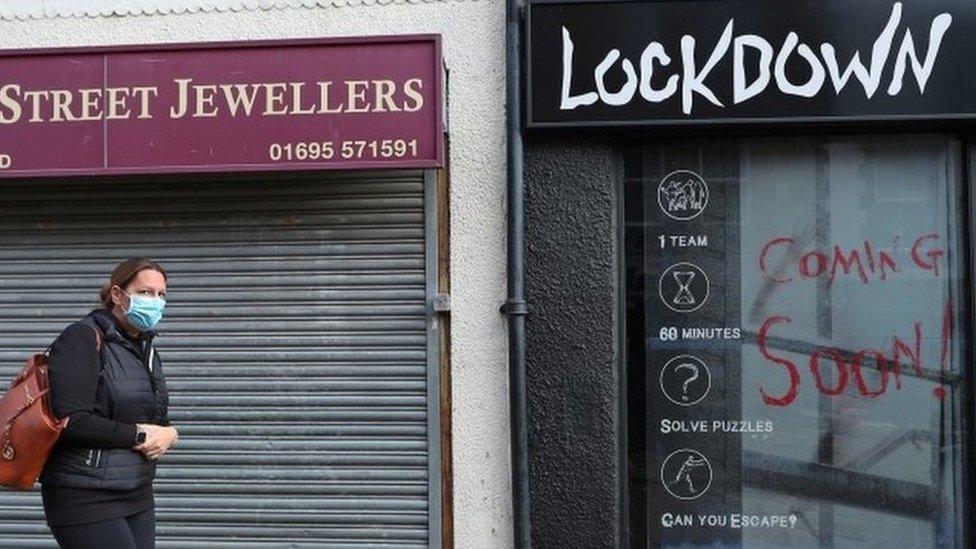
158 440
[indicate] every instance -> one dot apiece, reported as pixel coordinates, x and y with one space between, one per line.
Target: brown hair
124 273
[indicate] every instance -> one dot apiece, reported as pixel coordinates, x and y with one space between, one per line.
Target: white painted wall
474 39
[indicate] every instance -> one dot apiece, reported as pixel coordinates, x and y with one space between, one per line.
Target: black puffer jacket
127 393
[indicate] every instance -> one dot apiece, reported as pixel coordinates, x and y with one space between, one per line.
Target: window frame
632 434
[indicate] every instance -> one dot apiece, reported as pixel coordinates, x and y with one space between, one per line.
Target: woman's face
147 282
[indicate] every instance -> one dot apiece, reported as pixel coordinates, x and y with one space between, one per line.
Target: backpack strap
98 339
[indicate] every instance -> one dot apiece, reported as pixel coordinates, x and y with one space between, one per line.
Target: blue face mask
145 312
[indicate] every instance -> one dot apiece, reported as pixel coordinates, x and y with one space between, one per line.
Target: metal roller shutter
295 345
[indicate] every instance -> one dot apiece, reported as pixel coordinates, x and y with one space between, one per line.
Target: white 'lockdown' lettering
692 78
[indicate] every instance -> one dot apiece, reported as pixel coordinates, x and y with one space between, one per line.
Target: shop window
794 335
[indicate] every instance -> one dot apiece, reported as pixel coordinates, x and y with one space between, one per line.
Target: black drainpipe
515 307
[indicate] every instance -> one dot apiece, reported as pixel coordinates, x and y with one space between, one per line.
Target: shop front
290 188
750 262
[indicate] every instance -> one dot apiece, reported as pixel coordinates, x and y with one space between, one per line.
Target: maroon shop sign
295 105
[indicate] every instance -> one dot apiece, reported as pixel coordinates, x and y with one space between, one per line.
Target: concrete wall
571 346
474 34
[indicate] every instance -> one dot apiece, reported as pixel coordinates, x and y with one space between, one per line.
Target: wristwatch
140 436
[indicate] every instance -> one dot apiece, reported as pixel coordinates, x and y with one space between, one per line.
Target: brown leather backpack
28 427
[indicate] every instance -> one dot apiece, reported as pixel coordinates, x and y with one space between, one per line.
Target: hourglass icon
683 287
684 280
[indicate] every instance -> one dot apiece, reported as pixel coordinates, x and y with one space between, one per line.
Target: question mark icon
694 376
685 380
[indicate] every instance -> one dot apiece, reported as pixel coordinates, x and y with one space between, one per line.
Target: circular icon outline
711 474
708 379
708 194
660 287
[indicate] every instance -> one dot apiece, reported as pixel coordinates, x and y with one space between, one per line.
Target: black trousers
136 531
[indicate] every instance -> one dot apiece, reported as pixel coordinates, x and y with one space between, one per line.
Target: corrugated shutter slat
294 343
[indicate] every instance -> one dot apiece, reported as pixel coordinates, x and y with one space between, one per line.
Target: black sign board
693 345
734 61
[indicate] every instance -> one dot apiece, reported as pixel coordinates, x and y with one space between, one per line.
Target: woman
107 379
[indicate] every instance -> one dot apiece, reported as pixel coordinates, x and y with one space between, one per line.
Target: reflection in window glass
794 319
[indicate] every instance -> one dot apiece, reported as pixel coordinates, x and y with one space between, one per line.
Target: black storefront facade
749 270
